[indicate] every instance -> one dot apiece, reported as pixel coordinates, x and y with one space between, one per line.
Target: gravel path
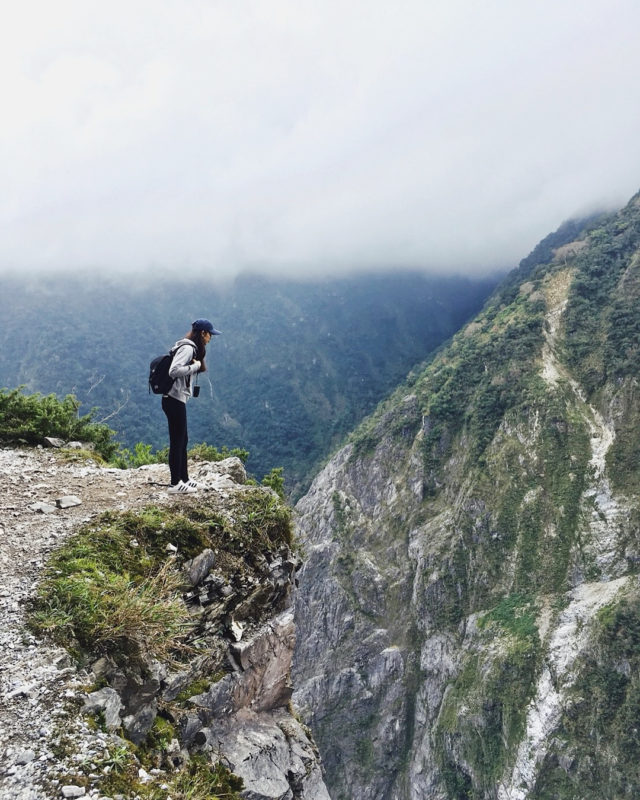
39 685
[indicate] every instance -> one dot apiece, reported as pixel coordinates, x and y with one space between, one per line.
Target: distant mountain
469 610
299 364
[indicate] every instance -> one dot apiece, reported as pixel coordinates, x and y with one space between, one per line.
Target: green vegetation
199 686
512 418
144 454
198 779
112 587
111 576
116 588
27 419
484 711
602 318
514 614
275 480
209 452
482 375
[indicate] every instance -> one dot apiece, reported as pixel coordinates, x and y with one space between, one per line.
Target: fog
304 138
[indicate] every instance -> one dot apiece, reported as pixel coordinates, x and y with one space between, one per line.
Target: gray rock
103 668
139 724
108 701
263 681
189 727
198 568
52 441
234 468
271 753
43 508
236 629
72 791
25 757
69 501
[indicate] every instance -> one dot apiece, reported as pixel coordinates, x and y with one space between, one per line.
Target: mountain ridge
478 526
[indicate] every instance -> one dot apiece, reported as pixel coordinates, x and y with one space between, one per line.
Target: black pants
176 412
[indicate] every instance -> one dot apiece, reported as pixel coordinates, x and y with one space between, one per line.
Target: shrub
29 419
208 452
275 481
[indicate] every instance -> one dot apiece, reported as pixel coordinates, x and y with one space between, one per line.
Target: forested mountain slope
469 611
299 364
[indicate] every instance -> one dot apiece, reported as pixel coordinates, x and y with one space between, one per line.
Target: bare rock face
354 655
271 753
244 718
262 680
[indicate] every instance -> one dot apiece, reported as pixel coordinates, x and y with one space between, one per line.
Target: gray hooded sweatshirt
182 369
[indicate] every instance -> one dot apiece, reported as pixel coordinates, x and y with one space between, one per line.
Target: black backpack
159 380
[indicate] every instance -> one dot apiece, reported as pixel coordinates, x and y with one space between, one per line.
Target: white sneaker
182 488
191 483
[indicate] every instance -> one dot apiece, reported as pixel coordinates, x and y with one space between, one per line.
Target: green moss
162 732
340 516
199 686
365 755
458 693
623 457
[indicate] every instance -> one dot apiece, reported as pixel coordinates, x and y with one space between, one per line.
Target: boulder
69 501
43 508
234 468
72 791
138 725
52 441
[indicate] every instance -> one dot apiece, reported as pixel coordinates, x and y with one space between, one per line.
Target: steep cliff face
469 617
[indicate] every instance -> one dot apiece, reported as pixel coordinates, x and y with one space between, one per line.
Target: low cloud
305 137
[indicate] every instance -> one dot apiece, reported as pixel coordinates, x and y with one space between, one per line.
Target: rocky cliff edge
128 723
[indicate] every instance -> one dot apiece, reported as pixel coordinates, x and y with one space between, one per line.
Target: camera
196 391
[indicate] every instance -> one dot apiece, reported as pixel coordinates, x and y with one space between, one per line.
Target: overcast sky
310 136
